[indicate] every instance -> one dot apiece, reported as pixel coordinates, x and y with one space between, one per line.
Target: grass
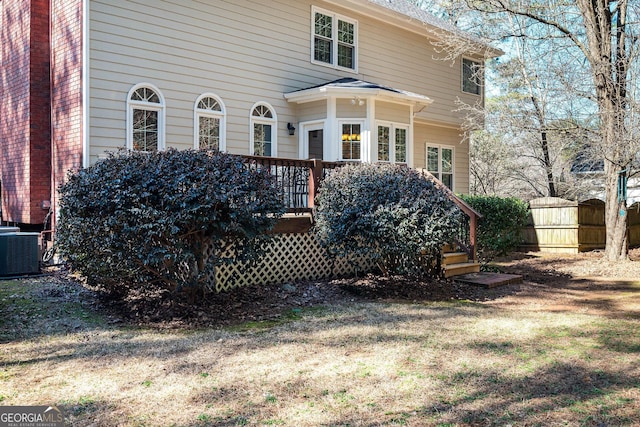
362 364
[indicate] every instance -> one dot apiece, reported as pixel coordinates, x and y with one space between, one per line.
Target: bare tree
599 37
489 165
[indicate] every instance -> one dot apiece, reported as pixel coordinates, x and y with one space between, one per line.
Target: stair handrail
473 215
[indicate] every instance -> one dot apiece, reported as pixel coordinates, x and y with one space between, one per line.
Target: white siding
344 109
433 135
316 110
391 112
246 52
186 48
406 61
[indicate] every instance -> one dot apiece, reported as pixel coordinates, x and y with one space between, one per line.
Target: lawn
364 362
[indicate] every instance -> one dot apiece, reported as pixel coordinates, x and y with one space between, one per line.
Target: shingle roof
410 10
353 86
352 83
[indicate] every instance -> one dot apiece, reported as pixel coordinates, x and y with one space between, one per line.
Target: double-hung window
471 76
263 131
209 123
334 40
351 146
440 163
400 146
392 143
145 118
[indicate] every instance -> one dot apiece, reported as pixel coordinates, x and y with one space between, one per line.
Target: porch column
369 134
330 132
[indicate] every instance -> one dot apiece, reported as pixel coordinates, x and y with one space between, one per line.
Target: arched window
145 118
210 123
263 131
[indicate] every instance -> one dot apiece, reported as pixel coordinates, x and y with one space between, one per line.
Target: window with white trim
145 118
392 143
351 144
471 76
400 147
209 123
334 39
440 163
263 131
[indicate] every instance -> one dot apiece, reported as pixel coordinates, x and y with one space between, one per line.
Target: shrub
143 220
388 212
499 228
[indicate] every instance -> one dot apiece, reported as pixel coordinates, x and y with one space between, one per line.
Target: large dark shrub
388 212
499 230
142 220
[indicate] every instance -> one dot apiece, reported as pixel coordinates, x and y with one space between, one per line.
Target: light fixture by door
358 100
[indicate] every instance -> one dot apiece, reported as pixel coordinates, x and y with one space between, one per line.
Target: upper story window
334 40
471 76
263 134
440 163
392 143
209 123
145 118
351 141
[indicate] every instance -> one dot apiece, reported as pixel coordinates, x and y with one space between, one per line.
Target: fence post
315 175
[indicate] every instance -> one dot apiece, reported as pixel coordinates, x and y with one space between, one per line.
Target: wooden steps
457 263
489 280
459 269
449 258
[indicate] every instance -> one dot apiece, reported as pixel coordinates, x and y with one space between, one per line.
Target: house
356 80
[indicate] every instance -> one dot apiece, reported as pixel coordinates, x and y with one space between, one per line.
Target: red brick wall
1 98
14 108
66 74
25 110
40 95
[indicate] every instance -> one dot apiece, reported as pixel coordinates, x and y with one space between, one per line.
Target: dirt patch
543 268
581 282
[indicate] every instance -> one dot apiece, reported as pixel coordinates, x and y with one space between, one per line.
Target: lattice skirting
290 257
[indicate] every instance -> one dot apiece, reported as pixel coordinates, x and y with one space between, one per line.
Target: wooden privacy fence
565 226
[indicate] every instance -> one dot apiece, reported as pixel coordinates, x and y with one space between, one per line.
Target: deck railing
300 180
293 176
466 236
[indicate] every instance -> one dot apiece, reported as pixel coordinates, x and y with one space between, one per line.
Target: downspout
52 178
85 84
410 148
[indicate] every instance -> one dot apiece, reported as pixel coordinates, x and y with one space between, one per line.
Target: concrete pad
488 280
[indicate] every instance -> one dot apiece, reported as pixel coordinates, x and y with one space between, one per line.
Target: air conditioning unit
19 253
5 229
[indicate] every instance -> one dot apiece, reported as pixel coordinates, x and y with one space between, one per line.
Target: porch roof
350 87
